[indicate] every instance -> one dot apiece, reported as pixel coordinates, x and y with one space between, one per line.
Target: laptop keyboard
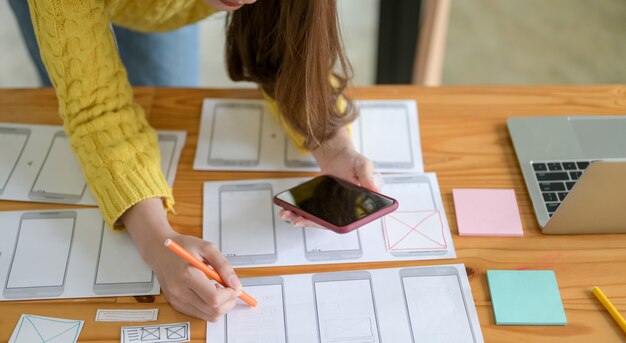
556 179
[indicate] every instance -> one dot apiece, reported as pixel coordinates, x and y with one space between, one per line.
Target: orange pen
210 272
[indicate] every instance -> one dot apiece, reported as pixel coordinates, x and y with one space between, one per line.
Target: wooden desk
464 139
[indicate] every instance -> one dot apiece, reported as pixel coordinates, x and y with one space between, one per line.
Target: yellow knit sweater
108 131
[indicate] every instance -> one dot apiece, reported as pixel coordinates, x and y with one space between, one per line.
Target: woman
292 49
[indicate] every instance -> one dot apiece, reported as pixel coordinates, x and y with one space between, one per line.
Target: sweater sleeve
108 131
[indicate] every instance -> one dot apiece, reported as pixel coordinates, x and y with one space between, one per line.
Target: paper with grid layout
415 304
241 219
37 164
243 135
68 254
160 333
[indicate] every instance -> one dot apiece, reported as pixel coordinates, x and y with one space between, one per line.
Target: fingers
297 220
364 172
215 259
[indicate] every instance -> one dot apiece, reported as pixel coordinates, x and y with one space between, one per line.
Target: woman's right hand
187 289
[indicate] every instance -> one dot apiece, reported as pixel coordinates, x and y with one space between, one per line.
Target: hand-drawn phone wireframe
167 146
120 269
247 224
41 256
385 135
60 178
345 307
12 143
321 245
414 193
296 159
436 305
265 323
236 135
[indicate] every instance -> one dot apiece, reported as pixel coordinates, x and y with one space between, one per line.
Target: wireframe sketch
297 159
264 323
42 251
417 226
383 135
435 303
167 146
60 178
12 144
247 224
345 307
120 269
162 333
236 133
320 244
31 328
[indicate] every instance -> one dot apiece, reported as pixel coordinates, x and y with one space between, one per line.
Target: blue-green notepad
525 297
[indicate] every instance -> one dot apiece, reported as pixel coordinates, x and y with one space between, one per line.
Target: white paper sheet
109 315
162 333
68 254
243 135
239 216
415 304
37 164
31 328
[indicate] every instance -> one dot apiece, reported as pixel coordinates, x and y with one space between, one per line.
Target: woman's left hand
338 157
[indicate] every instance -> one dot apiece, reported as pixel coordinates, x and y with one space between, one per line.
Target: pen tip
167 242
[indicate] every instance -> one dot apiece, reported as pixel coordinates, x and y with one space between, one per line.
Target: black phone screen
334 200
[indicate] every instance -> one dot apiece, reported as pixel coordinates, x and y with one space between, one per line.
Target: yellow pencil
609 307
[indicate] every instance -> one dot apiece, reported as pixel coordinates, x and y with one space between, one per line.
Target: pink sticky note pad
487 212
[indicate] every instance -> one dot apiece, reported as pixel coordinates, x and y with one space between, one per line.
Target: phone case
340 229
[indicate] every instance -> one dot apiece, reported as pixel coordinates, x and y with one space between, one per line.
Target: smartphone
436 305
247 226
335 204
60 178
41 257
345 307
236 135
12 144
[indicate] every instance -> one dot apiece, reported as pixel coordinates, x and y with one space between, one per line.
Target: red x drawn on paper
414 230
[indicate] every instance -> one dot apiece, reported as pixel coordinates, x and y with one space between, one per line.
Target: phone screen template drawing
236 134
345 308
12 144
264 323
394 150
297 159
120 269
41 256
60 178
436 305
247 225
321 244
167 146
416 227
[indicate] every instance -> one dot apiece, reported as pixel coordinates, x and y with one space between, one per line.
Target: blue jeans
168 59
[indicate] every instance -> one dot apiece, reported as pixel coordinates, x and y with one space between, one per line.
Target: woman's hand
186 288
338 157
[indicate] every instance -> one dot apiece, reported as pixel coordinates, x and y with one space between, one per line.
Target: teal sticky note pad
525 297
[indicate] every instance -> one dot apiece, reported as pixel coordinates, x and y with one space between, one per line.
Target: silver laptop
575 171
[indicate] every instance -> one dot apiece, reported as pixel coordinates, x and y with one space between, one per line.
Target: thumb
364 171
216 260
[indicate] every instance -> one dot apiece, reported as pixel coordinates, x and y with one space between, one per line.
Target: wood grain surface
464 139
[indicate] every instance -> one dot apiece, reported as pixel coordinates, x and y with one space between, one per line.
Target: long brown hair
293 49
